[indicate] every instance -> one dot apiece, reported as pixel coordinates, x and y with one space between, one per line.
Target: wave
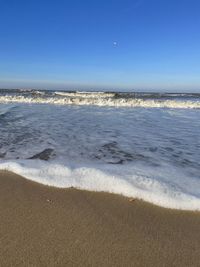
4 110
123 180
86 94
107 99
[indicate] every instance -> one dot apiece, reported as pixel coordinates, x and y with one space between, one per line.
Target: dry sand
42 226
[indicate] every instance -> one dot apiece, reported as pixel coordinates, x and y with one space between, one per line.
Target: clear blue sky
110 44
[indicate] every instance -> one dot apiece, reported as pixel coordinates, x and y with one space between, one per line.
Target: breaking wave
98 99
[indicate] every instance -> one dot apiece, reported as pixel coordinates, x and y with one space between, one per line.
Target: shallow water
149 153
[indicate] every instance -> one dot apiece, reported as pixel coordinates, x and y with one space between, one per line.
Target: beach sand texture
43 226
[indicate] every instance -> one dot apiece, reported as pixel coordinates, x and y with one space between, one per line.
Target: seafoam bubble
128 182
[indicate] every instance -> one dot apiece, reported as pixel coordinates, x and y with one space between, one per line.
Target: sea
139 145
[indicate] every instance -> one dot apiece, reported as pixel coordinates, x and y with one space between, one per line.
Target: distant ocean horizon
109 89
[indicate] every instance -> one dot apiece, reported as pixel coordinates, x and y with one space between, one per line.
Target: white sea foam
100 100
127 181
150 154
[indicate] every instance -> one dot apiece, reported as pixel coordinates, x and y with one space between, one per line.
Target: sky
148 45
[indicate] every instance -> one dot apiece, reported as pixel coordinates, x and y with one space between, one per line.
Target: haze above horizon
143 45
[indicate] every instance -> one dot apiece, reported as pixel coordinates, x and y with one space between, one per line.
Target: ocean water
140 145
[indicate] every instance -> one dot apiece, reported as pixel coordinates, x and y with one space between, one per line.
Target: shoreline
42 225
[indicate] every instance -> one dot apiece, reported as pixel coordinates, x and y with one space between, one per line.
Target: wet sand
43 226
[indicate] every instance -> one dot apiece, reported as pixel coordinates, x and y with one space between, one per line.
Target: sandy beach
43 226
